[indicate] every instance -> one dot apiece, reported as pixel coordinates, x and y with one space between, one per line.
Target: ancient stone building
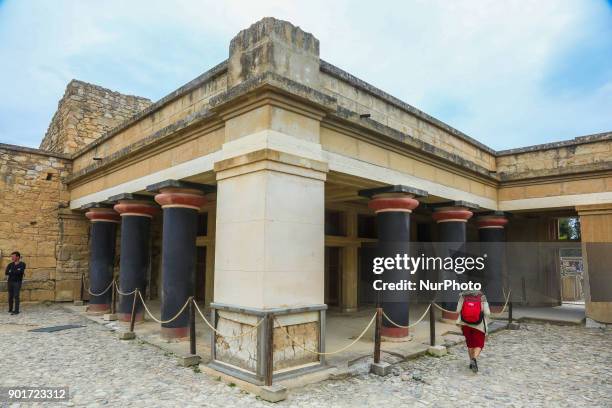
255 186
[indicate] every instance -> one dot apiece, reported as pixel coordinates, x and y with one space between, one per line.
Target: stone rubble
538 365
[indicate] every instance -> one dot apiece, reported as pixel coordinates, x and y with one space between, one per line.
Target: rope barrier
294 341
410 325
122 293
454 311
103 292
443 309
221 334
505 305
164 321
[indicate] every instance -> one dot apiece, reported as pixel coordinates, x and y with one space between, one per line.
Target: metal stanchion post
133 316
432 325
377 335
509 312
192 328
82 286
113 299
270 349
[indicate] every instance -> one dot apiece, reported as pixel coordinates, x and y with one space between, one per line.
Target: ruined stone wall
32 194
87 112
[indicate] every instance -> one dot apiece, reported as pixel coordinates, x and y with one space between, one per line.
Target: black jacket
15 271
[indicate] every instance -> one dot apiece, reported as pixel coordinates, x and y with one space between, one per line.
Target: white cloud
481 66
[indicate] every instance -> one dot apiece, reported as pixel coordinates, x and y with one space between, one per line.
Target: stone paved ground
539 365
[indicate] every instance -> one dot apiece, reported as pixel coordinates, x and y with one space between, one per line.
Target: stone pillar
103 233
350 276
393 206
451 219
596 237
136 214
492 235
181 203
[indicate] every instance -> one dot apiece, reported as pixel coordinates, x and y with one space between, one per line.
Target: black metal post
133 316
270 349
82 286
377 330
113 298
509 312
432 325
192 328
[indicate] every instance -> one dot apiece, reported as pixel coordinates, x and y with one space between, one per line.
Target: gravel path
539 365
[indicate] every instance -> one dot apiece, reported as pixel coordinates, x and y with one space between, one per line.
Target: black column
102 257
136 218
451 219
393 206
492 234
180 205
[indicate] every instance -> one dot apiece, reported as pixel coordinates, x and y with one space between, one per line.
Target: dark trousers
13 295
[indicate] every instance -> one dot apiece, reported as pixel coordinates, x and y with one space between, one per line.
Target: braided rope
122 293
297 343
410 325
221 334
164 321
103 292
505 305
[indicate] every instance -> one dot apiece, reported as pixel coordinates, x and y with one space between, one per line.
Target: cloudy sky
509 73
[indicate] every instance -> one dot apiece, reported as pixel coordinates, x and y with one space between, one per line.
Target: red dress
473 337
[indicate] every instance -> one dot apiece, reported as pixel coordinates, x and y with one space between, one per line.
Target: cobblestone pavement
539 365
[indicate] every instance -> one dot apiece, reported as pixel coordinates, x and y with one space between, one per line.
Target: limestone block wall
87 112
32 195
593 152
187 100
360 97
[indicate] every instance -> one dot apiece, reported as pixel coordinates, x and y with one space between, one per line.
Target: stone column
451 219
181 203
492 235
596 237
103 233
350 276
136 214
393 206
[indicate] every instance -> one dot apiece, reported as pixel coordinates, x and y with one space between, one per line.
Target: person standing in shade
14 272
473 310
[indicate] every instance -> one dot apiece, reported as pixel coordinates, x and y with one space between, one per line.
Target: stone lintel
455 204
266 156
204 188
594 209
101 204
130 197
395 189
265 86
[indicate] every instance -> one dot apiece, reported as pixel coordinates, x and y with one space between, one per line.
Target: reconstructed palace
255 186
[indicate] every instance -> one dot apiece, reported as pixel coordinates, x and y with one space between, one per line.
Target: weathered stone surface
85 113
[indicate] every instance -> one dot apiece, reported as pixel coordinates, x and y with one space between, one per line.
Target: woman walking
473 310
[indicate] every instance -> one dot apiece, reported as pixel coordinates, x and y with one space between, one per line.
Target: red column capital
102 215
181 198
452 214
393 202
491 221
136 208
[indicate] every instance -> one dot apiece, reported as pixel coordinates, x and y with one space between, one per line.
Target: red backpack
471 312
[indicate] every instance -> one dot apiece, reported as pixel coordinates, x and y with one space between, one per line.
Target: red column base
450 315
126 317
496 308
394 332
175 333
98 308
